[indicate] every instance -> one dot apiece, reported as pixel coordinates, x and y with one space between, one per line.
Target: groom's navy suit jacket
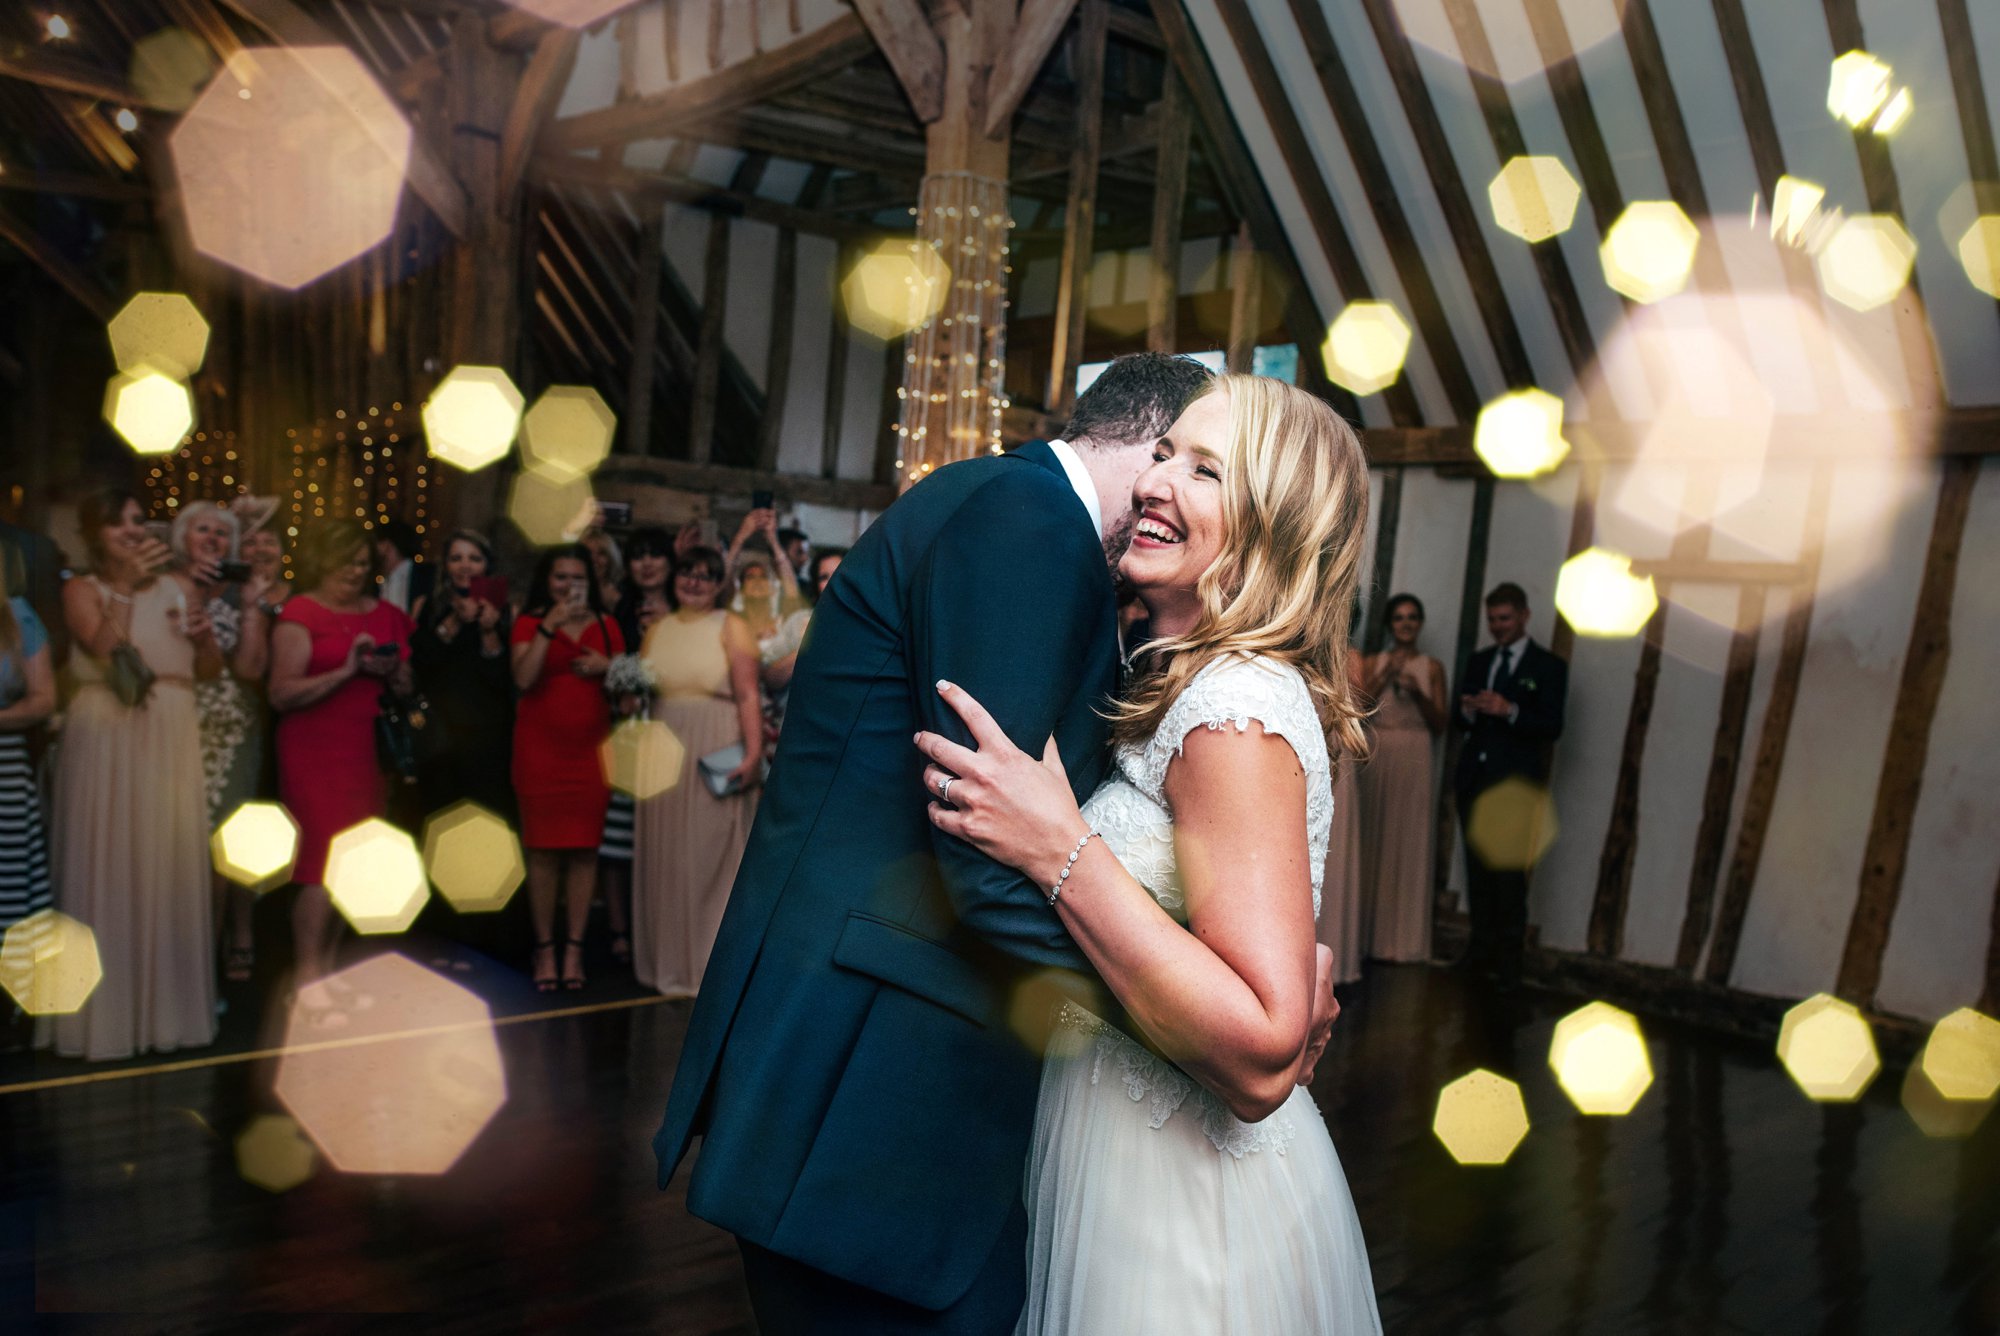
865 1104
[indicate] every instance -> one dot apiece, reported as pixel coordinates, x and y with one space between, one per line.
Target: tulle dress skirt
1152 1209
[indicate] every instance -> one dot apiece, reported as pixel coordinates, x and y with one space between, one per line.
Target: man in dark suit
1510 704
865 1103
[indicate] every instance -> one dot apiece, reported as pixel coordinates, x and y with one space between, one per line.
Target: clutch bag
717 768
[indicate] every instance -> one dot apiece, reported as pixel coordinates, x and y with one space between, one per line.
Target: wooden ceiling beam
83 185
832 47
723 480
1969 90
64 75
57 266
903 31
672 188
1035 32
541 88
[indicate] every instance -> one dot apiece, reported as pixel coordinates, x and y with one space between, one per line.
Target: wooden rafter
1035 32
1725 760
645 331
541 87
1969 91
678 189
903 31
64 75
724 480
714 304
83 185
57 266
1080 213
1169 205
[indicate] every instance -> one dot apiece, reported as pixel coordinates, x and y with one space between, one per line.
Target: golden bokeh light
411 1077
291 162
49 963
1480 1118
1519 435
1037 1001
1934 1114
1979 253
895 288
256 845
1510 52
1649 252
1827 1046
1867 261
1534 197
568 432
1512 824
169 68
1598 595
1599 1057
376 877
473 856
1962 1056
1857 87
642 757
1895 113
274 1154
472 417
1795 205
1365 347
149 408
160 331
551 508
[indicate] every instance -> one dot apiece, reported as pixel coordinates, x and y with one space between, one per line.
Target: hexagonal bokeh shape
376 876
472 417
273 1153
49 963
1480 1118
642 757
551 508
1597 594
415 1077
1599 1057
1962 1056
1512 824
896 288
571 13
474 857
1519 435
568 432
1857 86
1979 253
159 331
1365 347
1534 197
169 67
1510 52
1867 261
1934 1114
1828 1048
256 845
291 162
153 411
1649 252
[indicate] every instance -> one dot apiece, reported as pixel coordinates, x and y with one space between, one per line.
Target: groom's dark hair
1135 399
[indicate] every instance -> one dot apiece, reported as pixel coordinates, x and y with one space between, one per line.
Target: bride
1191 878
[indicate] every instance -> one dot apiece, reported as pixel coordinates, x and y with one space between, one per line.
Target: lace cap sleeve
1230 693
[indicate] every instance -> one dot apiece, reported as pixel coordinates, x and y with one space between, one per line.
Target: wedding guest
690 841
797 549
649 558
1343 893
562 644
776 592
27 697
263 551
1397 794
404 580
130 826
609 564
35 570
1510 705
778 670
205 542
335 647
458 652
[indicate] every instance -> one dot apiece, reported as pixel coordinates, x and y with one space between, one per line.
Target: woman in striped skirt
27 697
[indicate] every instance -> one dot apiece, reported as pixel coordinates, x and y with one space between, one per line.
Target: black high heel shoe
545 983
573 982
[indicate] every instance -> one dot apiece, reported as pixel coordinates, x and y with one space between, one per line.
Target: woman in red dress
562 643
334 647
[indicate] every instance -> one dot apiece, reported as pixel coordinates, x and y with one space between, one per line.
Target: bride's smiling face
1180 527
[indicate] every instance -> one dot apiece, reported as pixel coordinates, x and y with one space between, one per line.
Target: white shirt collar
1079 478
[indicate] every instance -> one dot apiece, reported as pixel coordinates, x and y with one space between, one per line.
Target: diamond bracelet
1070 866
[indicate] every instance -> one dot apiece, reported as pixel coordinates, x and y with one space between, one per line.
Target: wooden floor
1725 1203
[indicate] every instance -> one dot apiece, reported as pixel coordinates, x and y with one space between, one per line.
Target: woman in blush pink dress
1398 800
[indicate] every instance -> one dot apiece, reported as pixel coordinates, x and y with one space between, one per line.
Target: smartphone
235 572
388 651
489 589
763 499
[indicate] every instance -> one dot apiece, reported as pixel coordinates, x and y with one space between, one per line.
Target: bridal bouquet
630 682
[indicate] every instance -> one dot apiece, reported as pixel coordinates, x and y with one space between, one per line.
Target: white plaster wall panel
746 319
684 242
861 408
1770 524
1613 88
1936 957
593 83
1583 783
1804 897
1198 267
715 165
1038 289
1679 742
647 155
1350 199
783 179
812 322
1369 74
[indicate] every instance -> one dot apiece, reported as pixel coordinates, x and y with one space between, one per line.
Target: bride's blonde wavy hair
1295 509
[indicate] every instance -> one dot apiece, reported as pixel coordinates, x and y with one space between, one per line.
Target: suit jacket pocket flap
914 963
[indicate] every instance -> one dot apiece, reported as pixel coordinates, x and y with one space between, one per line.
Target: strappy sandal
545 983
573 982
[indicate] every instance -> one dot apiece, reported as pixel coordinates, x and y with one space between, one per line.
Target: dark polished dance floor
1724 1203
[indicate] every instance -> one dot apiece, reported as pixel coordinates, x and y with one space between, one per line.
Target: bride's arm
1230 998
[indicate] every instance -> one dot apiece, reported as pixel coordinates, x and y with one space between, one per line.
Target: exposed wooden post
1724 762
1245 317
1472 602
837 338
1388 518
778 358
1080 213
714 301
1169 203
645 334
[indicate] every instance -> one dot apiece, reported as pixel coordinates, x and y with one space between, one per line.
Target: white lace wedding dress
1151 1208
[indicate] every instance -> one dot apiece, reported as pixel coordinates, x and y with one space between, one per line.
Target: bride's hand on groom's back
1011 807
1326 1009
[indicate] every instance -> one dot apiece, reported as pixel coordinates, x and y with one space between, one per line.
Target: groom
864 1103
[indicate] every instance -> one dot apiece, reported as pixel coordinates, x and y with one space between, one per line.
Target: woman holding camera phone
562 643
335 647
689 840
459 653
